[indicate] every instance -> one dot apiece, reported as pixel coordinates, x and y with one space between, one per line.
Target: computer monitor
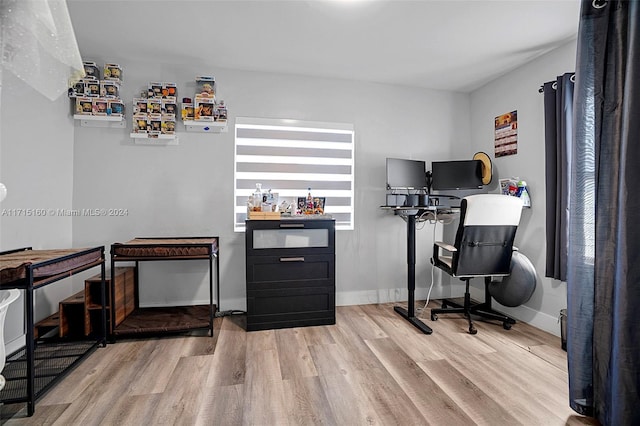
406 174
452 175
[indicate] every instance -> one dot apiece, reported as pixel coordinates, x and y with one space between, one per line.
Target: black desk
410 214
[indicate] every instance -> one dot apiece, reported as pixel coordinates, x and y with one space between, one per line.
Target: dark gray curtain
558 122
603 281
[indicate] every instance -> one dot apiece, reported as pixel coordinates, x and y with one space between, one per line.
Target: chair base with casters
483 310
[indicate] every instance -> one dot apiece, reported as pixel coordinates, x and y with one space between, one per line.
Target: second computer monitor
406 174
453 175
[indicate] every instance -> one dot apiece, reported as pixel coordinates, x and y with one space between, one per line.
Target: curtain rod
554 86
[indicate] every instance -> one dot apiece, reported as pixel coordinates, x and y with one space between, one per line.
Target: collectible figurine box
155 122
116 107
155 90
99 106
168 125
203 108
92 88
140 123
154 106
169 107
91 70
169 91
84 106
140 105
109 89
187 111
113 72
206 86
220 112
77 89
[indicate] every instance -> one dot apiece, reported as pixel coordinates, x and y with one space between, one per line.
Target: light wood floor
371 368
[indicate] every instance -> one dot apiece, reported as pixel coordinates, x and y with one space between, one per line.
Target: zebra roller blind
290 156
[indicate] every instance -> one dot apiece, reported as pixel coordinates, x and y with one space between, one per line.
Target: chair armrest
447 247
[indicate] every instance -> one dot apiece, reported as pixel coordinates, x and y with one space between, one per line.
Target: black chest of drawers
290 267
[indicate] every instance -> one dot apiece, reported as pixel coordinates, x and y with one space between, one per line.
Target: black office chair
483 248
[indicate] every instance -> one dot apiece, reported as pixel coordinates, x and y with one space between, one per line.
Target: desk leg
409 314
211 311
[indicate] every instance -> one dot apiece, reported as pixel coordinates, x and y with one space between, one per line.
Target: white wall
518 90
188 189
36 165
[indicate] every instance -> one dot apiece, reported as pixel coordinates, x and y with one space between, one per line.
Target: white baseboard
16 344
540 320
236 304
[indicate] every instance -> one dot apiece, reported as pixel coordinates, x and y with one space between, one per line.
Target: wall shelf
205 126
100 120
144 139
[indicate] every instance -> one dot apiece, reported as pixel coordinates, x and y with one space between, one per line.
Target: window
289 157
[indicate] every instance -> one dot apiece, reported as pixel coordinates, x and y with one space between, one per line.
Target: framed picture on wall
506 134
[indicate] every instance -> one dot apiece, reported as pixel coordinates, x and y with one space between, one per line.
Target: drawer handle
292 225
292 259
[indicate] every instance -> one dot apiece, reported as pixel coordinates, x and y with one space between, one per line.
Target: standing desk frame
410 214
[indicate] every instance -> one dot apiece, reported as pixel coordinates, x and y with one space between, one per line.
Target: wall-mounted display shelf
100 120
145 139
205 126
96 102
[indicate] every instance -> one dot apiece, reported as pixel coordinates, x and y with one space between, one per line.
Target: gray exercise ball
517 288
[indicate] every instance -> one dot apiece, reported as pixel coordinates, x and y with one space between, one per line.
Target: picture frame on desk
318 205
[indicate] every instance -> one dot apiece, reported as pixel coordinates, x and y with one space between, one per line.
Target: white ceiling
448 45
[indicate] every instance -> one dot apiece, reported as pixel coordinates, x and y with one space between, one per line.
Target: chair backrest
484 240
